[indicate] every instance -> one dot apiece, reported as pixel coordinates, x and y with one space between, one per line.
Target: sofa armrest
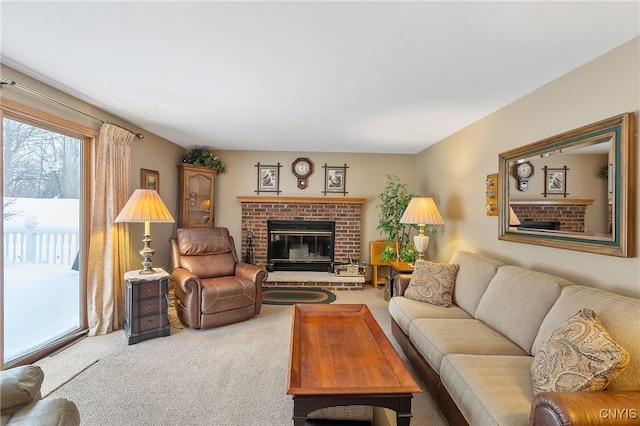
19 387
585 408
400 284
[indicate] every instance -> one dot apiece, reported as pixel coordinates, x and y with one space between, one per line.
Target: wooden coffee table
339 355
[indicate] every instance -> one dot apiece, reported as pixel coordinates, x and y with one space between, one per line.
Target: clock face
302 167
524 170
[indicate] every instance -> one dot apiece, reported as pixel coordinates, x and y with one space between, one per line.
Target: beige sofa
22 403
475 356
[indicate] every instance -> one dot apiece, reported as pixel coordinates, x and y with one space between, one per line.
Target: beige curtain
109 250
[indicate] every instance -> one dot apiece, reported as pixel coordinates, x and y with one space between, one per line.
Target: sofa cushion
489 389
474 274
517 301
617 314
432 282
435 338
579 356
404 310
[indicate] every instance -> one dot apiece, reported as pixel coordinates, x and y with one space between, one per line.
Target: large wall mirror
573 191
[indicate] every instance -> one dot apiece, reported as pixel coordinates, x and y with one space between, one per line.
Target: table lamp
513 218
145 205
421 211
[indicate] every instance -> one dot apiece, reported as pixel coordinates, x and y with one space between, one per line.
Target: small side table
399 268
146 305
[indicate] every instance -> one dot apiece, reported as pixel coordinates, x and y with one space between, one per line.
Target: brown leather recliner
211 287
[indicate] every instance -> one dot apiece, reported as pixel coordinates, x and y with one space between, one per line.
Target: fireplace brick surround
345 212
569 213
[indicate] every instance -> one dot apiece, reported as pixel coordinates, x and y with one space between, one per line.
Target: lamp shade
144 205
513 218
422 211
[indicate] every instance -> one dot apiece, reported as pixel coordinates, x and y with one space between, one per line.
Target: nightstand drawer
149 289
149 306
148 322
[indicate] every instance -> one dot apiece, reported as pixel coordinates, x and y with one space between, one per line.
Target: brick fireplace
345 212
567 213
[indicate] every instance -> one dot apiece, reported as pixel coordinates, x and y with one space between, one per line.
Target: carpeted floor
227 376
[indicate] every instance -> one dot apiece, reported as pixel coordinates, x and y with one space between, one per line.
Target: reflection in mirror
572 190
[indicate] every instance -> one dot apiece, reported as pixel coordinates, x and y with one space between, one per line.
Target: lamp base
147 252
421 242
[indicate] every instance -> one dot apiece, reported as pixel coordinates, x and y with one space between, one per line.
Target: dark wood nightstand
146 305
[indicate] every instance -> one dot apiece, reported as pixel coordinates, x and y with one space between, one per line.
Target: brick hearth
345 212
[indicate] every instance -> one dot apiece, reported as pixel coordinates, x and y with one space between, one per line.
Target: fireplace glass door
301 246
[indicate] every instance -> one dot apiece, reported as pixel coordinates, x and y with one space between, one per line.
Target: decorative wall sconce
491 195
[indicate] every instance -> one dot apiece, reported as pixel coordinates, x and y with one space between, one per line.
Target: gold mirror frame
621 180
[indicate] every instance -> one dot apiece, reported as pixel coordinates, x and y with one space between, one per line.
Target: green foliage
204 157
604 172
393 202
408 253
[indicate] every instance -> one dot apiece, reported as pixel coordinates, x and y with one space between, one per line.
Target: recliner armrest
187 282
400 284
255 273
585 408
19 387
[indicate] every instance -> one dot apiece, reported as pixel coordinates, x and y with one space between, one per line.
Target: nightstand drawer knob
149 305
149 322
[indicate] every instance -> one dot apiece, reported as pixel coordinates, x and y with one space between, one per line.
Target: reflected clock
523 172
302 169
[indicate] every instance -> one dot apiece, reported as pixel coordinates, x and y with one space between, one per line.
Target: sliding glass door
42 239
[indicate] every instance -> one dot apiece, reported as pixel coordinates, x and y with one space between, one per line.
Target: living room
452 171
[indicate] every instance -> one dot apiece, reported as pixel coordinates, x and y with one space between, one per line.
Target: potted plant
205 158
393 202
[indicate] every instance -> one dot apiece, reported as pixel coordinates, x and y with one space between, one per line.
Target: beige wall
365 174
152 152
366 178
454 170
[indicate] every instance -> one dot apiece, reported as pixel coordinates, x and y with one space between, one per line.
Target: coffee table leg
403 413
299 412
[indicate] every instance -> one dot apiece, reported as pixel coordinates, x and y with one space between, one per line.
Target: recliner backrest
206 252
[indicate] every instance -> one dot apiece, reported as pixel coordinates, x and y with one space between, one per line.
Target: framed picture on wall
268 178
150 179
335 179
555 181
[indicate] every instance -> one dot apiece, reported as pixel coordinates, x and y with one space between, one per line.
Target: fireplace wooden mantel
562 202
309 200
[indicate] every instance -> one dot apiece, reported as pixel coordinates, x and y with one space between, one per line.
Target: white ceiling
387 77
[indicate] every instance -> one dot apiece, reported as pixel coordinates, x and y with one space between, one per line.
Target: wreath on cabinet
205 158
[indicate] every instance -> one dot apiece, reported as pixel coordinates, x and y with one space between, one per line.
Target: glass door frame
19 112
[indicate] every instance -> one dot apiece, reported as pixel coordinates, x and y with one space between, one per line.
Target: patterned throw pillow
579 356
432 282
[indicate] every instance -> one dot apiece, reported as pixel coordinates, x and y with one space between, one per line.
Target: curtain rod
49 98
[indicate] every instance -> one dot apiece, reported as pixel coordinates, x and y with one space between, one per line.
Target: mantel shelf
310 200
563 202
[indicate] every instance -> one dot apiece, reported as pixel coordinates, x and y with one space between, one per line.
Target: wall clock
523 172
302 169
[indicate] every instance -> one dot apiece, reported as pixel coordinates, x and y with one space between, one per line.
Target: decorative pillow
579 356
432 282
